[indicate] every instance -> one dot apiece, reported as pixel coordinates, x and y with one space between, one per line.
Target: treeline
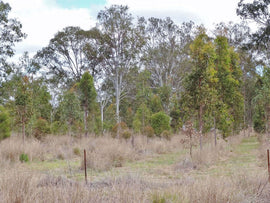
135 75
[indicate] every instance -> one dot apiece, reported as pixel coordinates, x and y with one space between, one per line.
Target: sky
42 19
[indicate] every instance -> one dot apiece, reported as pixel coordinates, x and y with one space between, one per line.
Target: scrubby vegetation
164 112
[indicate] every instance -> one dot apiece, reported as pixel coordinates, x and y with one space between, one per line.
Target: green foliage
69 107
261 102
122 126
24 158
137 125
166 134
155 104
165 95
148 131
41 128
76 151
58 128
176 115
126 134
10 33
109 117
87 91
141 118
160 122
4 123
201 82
229 84
259 119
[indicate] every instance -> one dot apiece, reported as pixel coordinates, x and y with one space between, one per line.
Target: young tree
69 108
87 96
4 123
200 83
22 102
229 76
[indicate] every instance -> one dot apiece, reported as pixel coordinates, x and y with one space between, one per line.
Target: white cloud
41 19
199 11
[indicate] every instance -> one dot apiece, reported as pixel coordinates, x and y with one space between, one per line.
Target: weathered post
85 169
268 163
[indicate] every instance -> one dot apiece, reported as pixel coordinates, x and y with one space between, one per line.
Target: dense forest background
133 75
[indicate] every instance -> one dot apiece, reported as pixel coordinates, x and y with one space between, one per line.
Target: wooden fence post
85 169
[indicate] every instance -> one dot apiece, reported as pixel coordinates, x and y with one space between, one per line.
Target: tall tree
261 102
200 83
122 42
229 80
10 33
87 96
166 55
257 11
69 54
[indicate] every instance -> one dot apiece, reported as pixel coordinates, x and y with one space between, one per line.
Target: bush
166 134
24 157
126 134
122 128
76 151
4 123
160 122
137 125
148 131
41 128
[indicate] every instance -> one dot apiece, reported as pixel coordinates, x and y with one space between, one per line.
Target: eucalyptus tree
257 11
261 102
166 54
200 84
229 85
69 54
69 107
88 95
10 33
239 37
122 43
23 102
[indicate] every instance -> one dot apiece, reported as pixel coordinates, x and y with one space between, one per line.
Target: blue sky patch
80 3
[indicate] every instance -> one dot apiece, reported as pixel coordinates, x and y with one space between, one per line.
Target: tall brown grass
22 184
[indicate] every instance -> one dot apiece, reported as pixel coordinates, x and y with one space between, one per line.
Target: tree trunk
117 91
23 131
215 133
200 124
101 114
85 121
190 147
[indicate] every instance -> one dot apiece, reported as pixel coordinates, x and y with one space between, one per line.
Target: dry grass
23 186
19 183
103 152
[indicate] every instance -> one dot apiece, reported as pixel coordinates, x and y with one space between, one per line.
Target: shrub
4 123
166 134
126 134
41 128
137 125
24 157
122 127
148 131
76 151
160 122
